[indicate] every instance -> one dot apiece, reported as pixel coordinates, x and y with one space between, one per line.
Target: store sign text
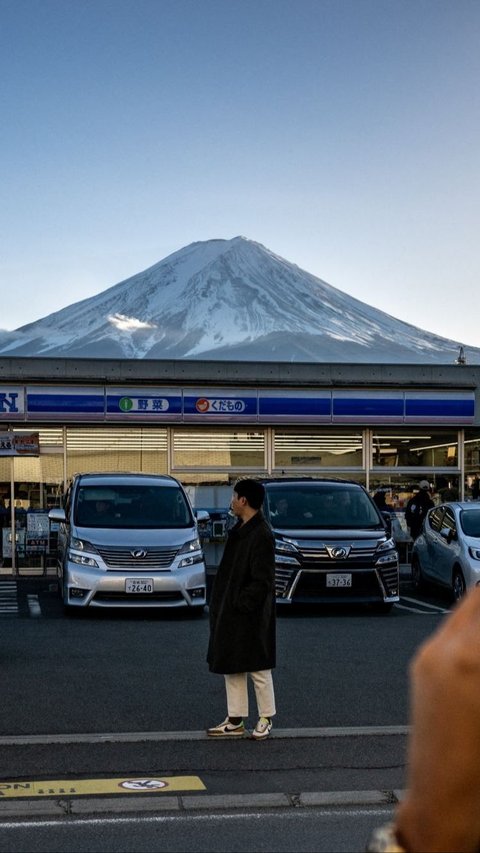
8 402
205 404
143 404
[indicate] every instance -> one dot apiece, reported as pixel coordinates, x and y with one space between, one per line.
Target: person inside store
417 508
379 498
440 811
4 514
475 488
242 642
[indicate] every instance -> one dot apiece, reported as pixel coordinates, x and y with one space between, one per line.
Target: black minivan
333 545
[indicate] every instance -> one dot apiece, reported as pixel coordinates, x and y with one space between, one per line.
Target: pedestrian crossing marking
81 787
8 598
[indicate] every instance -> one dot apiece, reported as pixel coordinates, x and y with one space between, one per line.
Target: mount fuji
228 300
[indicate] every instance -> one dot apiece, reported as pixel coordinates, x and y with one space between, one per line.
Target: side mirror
57 514
202 516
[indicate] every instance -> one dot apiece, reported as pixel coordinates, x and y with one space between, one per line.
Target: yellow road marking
80 787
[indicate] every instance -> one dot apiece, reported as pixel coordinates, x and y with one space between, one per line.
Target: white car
447 552
129 540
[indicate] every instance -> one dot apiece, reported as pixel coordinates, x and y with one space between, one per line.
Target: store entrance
31 483
35 541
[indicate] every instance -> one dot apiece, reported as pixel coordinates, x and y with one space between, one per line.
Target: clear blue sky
342 134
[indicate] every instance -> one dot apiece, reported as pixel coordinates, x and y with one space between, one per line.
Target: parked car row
132 540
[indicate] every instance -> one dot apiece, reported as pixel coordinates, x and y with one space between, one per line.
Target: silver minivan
129 540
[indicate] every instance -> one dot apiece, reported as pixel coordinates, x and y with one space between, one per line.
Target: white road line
193 816
424 604
418 611
420 607
34 605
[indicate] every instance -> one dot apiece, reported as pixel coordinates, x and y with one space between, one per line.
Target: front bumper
176 588
369 585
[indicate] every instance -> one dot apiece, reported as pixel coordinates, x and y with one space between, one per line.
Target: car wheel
458 584
418 581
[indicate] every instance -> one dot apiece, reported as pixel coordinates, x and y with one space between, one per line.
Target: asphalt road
129 695
279 831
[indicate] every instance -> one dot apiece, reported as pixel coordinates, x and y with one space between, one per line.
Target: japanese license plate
139 585
339 580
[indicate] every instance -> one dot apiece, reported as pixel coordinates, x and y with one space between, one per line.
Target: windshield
132 506
325 505
470 521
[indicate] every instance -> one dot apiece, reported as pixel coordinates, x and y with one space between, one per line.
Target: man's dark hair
252 490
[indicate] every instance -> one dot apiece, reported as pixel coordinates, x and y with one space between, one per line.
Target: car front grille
390 579
283 580
122 558
359 554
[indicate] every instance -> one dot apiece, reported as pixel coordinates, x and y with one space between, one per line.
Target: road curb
140 737
81 807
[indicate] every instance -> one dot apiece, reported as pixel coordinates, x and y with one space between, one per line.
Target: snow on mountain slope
228 300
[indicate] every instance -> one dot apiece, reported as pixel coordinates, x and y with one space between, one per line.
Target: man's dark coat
242 603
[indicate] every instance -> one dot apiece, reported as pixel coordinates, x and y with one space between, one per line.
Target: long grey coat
242 603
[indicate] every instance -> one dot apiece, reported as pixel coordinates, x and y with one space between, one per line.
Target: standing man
417 508
242 615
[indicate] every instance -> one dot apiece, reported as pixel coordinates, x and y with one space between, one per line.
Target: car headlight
82 560
282 546
189 561
191 545
474 552
82 545
388 545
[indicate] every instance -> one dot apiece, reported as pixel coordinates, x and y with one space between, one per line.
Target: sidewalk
69 806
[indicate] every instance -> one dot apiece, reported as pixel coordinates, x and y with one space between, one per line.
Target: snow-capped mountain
228 300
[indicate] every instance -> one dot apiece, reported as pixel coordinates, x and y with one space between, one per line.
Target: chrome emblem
338 553
139 554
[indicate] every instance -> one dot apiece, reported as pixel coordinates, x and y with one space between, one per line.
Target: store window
399 488
425 448
239 450
141 449
472 464
310 450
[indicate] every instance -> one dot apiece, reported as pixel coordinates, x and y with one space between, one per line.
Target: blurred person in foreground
242 615
440 812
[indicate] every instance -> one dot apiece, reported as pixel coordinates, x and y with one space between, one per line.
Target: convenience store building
209 422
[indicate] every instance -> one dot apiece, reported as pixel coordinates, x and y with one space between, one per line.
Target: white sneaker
263 728
227 729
